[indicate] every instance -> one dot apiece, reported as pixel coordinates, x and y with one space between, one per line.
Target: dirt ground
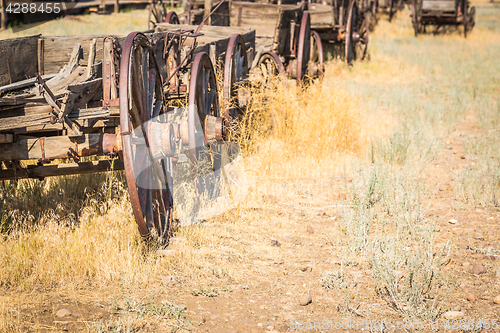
268 299
276 254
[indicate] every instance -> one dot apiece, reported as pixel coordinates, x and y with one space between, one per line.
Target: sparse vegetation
365 158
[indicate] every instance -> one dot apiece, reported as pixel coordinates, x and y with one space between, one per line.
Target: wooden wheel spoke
151 91
209 101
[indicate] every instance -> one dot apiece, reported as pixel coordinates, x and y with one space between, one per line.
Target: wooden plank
57 49
6 138
23 84
18 57
41 172
3 15
434 5
42 119
55 147
322 15
40 57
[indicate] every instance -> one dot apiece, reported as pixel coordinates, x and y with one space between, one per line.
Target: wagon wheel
203 102
361 45
157 12
235 73
304 47
471 18
468 17
316 67
373 15
414 16
391 8
271 68
141 101
351 37
172 18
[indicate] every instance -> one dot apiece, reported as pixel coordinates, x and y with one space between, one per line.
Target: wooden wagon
342 22
116 97
285 43
390 7
442 13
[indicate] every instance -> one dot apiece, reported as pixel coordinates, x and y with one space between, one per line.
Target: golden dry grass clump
294 130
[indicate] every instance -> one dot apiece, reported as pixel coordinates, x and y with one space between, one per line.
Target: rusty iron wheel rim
235 72
172 18
270 60
304 49
349 51
141 101
318 50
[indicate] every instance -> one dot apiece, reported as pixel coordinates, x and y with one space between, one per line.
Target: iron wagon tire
235 73
304 47
172 18
141 99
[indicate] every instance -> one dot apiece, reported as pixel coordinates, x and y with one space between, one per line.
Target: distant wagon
441 13
285 43
343 22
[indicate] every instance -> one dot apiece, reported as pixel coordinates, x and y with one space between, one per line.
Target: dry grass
354 145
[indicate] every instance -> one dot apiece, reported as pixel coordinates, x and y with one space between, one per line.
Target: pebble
310 230
304 300
176 241
452 221
453 315
478 236
397 274
166 253
279 262
471 297
275 243
170 279
478 269
306 269
270 327
63 313
496 300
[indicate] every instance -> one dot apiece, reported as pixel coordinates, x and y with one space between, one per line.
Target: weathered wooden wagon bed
73 97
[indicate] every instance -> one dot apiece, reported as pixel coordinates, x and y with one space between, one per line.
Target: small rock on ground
306 299
63 313
310 230
453 315
275 243
471 297
496 300
452 221
478 269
